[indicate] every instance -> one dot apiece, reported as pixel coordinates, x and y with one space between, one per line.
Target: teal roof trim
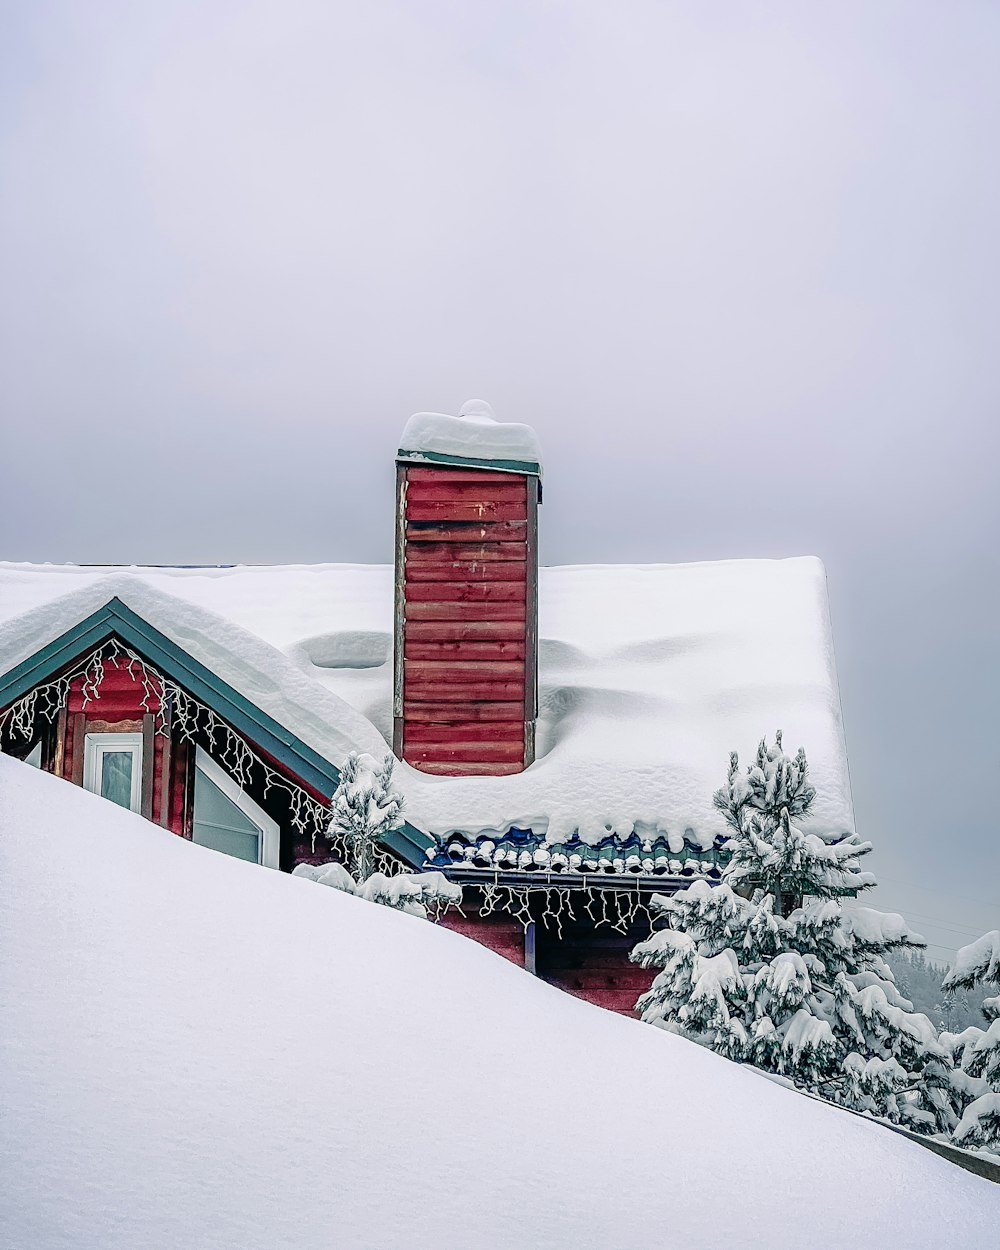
116 619
469 462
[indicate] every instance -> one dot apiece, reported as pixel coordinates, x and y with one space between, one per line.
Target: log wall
592 963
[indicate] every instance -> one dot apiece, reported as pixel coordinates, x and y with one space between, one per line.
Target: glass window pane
116 777
229 841
220 824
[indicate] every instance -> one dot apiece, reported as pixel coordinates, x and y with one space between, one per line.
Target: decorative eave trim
118 620
539 880
530 467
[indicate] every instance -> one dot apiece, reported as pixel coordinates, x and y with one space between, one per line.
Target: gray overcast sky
738 263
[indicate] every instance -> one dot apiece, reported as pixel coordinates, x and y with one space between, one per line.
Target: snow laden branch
364 810
768 851
418 894
770 968
977 1051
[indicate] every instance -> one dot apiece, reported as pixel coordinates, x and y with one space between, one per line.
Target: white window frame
96 746
269 846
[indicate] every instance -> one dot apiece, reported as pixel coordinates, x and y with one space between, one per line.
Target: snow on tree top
475 434
649 675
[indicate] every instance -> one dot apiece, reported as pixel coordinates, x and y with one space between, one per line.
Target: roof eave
118 620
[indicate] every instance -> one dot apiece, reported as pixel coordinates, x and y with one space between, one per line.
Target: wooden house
560 730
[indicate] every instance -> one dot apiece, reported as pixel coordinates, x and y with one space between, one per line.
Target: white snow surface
198 1052
474 433
649 675
979 961
877 927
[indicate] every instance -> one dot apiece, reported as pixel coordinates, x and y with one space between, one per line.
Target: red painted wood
499 932
468 531
158 741
466 571
500 490
120 693
489 611
178 788
457 712
431 553
479 769
437 692
462 672
464 651
466 592
420 732
592 963
416 475
485 511
464 631
466 753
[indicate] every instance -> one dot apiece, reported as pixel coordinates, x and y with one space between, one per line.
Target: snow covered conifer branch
363 810
978 1050
809 994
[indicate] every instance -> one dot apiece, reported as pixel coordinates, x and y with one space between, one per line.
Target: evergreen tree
363 810
977 1051
807 994
919 979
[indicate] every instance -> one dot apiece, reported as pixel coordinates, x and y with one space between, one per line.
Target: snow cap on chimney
475 434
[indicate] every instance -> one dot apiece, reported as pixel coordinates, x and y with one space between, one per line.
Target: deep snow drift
197 1052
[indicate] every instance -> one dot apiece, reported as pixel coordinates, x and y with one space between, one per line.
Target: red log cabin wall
127 700
593 963
498 931
588 962
466 620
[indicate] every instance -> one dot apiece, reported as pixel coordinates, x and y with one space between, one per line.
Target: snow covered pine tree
364 808
768 967
977 1051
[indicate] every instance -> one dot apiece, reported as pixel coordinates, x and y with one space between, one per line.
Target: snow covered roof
473 436
649 675
524 851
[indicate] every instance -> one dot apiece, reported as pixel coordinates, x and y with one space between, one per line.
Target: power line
965 898
942 924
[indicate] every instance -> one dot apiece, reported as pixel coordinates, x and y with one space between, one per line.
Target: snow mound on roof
254 668
200 1052
649 675
475 434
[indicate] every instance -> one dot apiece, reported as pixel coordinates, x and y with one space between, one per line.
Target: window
112 768
228 820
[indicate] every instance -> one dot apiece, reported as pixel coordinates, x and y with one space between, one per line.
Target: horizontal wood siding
593 964
497 931
465 598
120 694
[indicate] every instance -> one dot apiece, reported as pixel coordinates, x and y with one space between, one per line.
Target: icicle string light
616 908
172 706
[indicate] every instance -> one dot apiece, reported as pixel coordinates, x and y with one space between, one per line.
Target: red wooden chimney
466 621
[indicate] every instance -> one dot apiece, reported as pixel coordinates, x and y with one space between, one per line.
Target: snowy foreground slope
197 1052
